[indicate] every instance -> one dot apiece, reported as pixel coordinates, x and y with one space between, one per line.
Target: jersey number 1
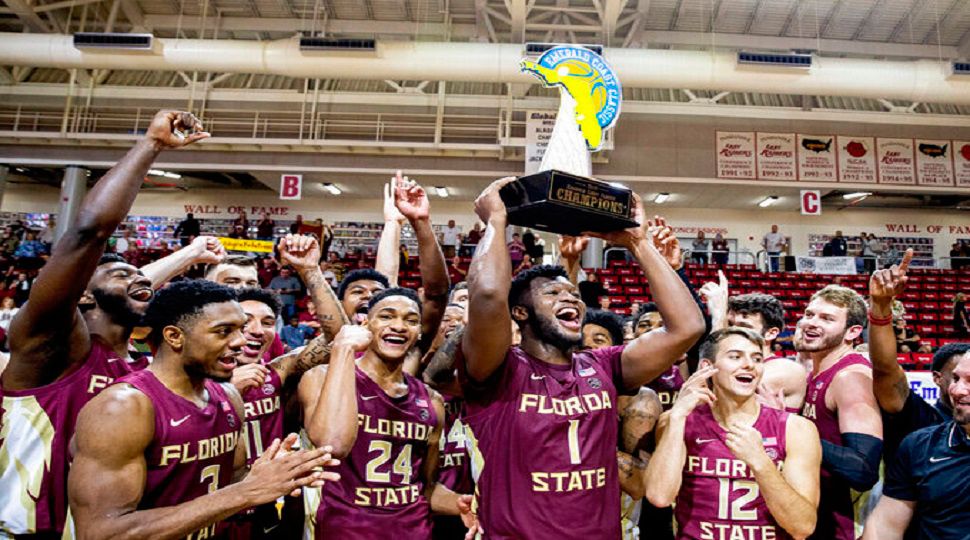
573 439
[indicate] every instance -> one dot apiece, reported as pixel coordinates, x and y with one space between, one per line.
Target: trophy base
563 203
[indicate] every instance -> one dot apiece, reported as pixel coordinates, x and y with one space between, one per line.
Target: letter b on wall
811 202
291 187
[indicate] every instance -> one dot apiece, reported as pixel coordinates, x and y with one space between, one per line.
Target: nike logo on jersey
535 377
367 398
937 460
703 441
177 423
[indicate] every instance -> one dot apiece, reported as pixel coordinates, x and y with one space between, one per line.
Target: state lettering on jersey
455 459
387 496
394 428
731 531
202 534
202 449
581 404
559 482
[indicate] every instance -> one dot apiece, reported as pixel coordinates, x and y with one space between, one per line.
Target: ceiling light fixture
166 174
661 198
442 191
332 188
857 195
768 201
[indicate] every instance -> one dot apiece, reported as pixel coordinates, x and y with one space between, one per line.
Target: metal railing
737 255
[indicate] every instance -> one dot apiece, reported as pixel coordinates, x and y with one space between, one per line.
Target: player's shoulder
799 424
120 406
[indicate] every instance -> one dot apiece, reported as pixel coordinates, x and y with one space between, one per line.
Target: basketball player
235 272
734 468
840 402
668 384
385 426
56 363
157 452
540 413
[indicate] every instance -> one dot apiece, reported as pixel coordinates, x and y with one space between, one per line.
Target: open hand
666 242
391 213
411 200
174 129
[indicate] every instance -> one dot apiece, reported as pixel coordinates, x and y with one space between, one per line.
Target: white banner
934 162
922 385
538 130
735 154
895 161
961 157
825 265
776 156
857 159
816 158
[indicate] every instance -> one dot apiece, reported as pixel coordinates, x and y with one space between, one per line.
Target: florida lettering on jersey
667 386
264 415
719 498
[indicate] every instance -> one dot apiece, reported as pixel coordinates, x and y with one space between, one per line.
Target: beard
826 343
117 308
549 331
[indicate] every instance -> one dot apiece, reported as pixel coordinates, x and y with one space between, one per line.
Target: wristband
877 321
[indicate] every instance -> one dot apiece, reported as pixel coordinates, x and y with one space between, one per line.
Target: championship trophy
562 197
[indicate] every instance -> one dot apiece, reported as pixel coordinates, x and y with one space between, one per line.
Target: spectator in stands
836 247
892 255
47 233
516 250
10 242
455 272
265 229
719 249
524 265
288 286
904 337
241 221
125 243
591 289
294 335
308 317
698 249
8 308
529 241
872 252
326 240
297 223
268 269
403 257
238 232
471 240
956 257
329 274
960 321
187 230
21 286
31 247
449 239
774 243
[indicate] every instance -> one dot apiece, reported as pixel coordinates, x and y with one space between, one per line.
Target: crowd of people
195 397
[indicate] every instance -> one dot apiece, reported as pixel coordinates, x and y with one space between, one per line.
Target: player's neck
728 408
384 373
547 352
822 360
115 335
169 369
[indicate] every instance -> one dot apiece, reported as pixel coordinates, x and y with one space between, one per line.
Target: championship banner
735 154
857 159
816 158
538 131
241 244
934 163
825 265
961 162
921 384
776 156
895 157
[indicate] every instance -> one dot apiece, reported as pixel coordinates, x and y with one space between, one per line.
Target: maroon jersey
193 449
719 498
835 510
381 489
543 446
36 427
454 467
667 386
264 416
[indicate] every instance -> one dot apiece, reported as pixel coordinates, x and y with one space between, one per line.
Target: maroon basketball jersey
719 498
454 467
36 427
193 449
543 446
835 510
667 386
381 489
264 416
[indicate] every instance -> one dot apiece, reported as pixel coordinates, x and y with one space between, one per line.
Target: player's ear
852 333
174 336
705 362
771 334
87 300
520 313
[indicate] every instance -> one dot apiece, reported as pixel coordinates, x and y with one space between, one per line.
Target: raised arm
388 257
107 477
652 353
440 372
202 250
48 335
412 201
488 333
302 252
889 383
716 297
638 417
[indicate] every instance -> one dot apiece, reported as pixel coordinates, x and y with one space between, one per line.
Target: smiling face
452 320
958 389
553 311
357 296
211 341
739 368
823 327
395 323
121 291
260 331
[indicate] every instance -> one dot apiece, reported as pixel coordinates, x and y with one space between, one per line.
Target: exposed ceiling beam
609 17
906 23
135 15
518 12
6 77
871 15
963 48
334 26
27 15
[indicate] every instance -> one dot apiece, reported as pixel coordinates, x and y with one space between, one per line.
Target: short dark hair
269 297
947 352
410 294
647 307
460 286
612 322
709 348
181 301
361 274
766 305
522 280
109 258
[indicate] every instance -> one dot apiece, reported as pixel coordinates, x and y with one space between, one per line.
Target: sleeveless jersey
193 449
264 415
719 498
381 490
454 468
543 444
667 386
36 427
835 509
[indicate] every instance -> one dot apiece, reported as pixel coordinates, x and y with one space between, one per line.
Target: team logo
772 453
268 389
595 383
231 418
424 414
589 80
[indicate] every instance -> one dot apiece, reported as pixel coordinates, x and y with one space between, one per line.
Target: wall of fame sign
842 158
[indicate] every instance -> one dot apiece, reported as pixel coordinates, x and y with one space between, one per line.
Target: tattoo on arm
315 353
441 368
326 303
902 388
